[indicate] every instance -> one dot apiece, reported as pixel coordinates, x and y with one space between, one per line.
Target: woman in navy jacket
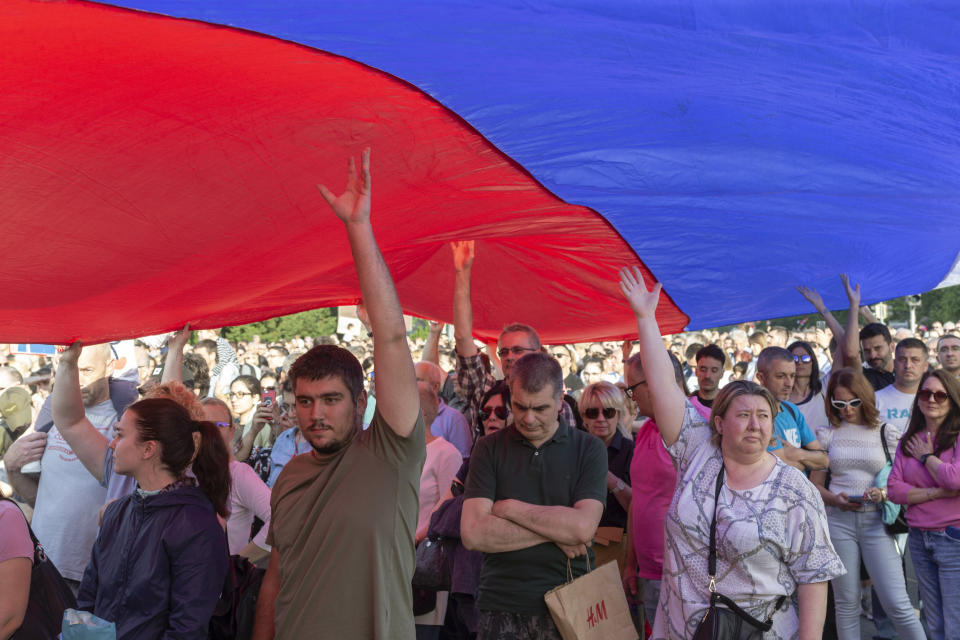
158 565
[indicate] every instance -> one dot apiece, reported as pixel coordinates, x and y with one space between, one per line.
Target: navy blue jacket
158 566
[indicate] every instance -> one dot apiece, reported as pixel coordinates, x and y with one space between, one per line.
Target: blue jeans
861 533
936 559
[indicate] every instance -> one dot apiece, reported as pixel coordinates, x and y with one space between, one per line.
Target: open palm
642 300
353 205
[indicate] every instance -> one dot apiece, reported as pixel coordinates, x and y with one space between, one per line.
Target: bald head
429 373
9 377
95 365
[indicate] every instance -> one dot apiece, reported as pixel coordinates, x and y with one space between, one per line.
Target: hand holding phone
268 397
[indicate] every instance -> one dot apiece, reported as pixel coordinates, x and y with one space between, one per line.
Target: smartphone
856 499
268 397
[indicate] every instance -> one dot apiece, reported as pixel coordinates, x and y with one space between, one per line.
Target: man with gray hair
533 499
796 443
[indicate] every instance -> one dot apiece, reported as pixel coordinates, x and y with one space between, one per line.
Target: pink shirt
15 539
654 480
907 473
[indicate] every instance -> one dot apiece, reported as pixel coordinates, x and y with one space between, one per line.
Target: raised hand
353 205
71 354
812 297
180 338
642 301
435 327
463 253
853 293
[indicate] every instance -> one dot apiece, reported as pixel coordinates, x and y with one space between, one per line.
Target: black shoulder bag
729 622
49 597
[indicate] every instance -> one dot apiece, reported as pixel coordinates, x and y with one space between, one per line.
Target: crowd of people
766 465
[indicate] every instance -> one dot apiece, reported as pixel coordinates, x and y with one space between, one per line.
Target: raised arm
66 405
431 349
397 398
463 253
831 321
668 400
173 363
850 345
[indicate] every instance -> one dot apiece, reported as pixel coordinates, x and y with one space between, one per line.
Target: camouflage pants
503 625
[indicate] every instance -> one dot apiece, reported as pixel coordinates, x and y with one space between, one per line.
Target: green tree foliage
316 323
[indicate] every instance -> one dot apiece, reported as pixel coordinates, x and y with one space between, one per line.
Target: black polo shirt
569 467
619 456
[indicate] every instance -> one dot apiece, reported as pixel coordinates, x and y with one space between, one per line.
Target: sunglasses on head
805 358
843 404
514 350
594 412
500 412
937 396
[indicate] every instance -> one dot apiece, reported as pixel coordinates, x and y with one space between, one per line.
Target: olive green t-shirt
344 525
570 467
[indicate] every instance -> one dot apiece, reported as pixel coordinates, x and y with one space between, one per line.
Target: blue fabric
740 148
792 427
284 448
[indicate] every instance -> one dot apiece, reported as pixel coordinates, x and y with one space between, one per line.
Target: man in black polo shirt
534 497
875 342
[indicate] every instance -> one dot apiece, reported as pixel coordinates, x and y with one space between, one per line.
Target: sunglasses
937 396
500 412
514 350
805 358
223 425
843 404
629 390
594 412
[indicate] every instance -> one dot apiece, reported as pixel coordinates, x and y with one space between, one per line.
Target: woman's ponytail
211 466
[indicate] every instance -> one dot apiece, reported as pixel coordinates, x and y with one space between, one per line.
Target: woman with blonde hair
854 509
604 416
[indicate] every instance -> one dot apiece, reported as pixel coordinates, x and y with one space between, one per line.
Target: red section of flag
155 171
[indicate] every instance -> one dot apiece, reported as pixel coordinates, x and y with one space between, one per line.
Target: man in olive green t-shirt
343 516
533 499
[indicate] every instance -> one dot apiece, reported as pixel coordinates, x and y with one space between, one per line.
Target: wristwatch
620 487
923 458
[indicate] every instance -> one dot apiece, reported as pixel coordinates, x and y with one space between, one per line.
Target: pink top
654 480
15 539
908 473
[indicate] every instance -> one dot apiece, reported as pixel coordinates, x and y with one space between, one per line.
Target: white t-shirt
69 498
814 411
895 407
249 497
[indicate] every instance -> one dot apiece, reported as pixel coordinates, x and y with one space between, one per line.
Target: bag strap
883 441
586 559
716 596
37 547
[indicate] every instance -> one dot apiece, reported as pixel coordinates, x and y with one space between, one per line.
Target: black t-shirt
569 467
619 456
878 379
707 403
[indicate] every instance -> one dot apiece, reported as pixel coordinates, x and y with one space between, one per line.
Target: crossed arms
510 525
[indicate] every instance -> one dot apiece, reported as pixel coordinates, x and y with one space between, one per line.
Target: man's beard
334 447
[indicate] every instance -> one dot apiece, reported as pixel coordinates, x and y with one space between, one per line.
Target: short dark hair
815 383
251 382
207 344
327 360
195 363
692 350
912 343
712 351
536 370
875 329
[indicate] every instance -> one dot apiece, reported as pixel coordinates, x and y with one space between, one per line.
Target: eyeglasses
805 358
238 394
843 404
223 425
629 390
500 412
504 352
937 396
594 412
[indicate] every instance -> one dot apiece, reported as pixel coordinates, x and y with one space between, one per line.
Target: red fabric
155 171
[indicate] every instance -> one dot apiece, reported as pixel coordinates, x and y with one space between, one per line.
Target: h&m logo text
596 613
